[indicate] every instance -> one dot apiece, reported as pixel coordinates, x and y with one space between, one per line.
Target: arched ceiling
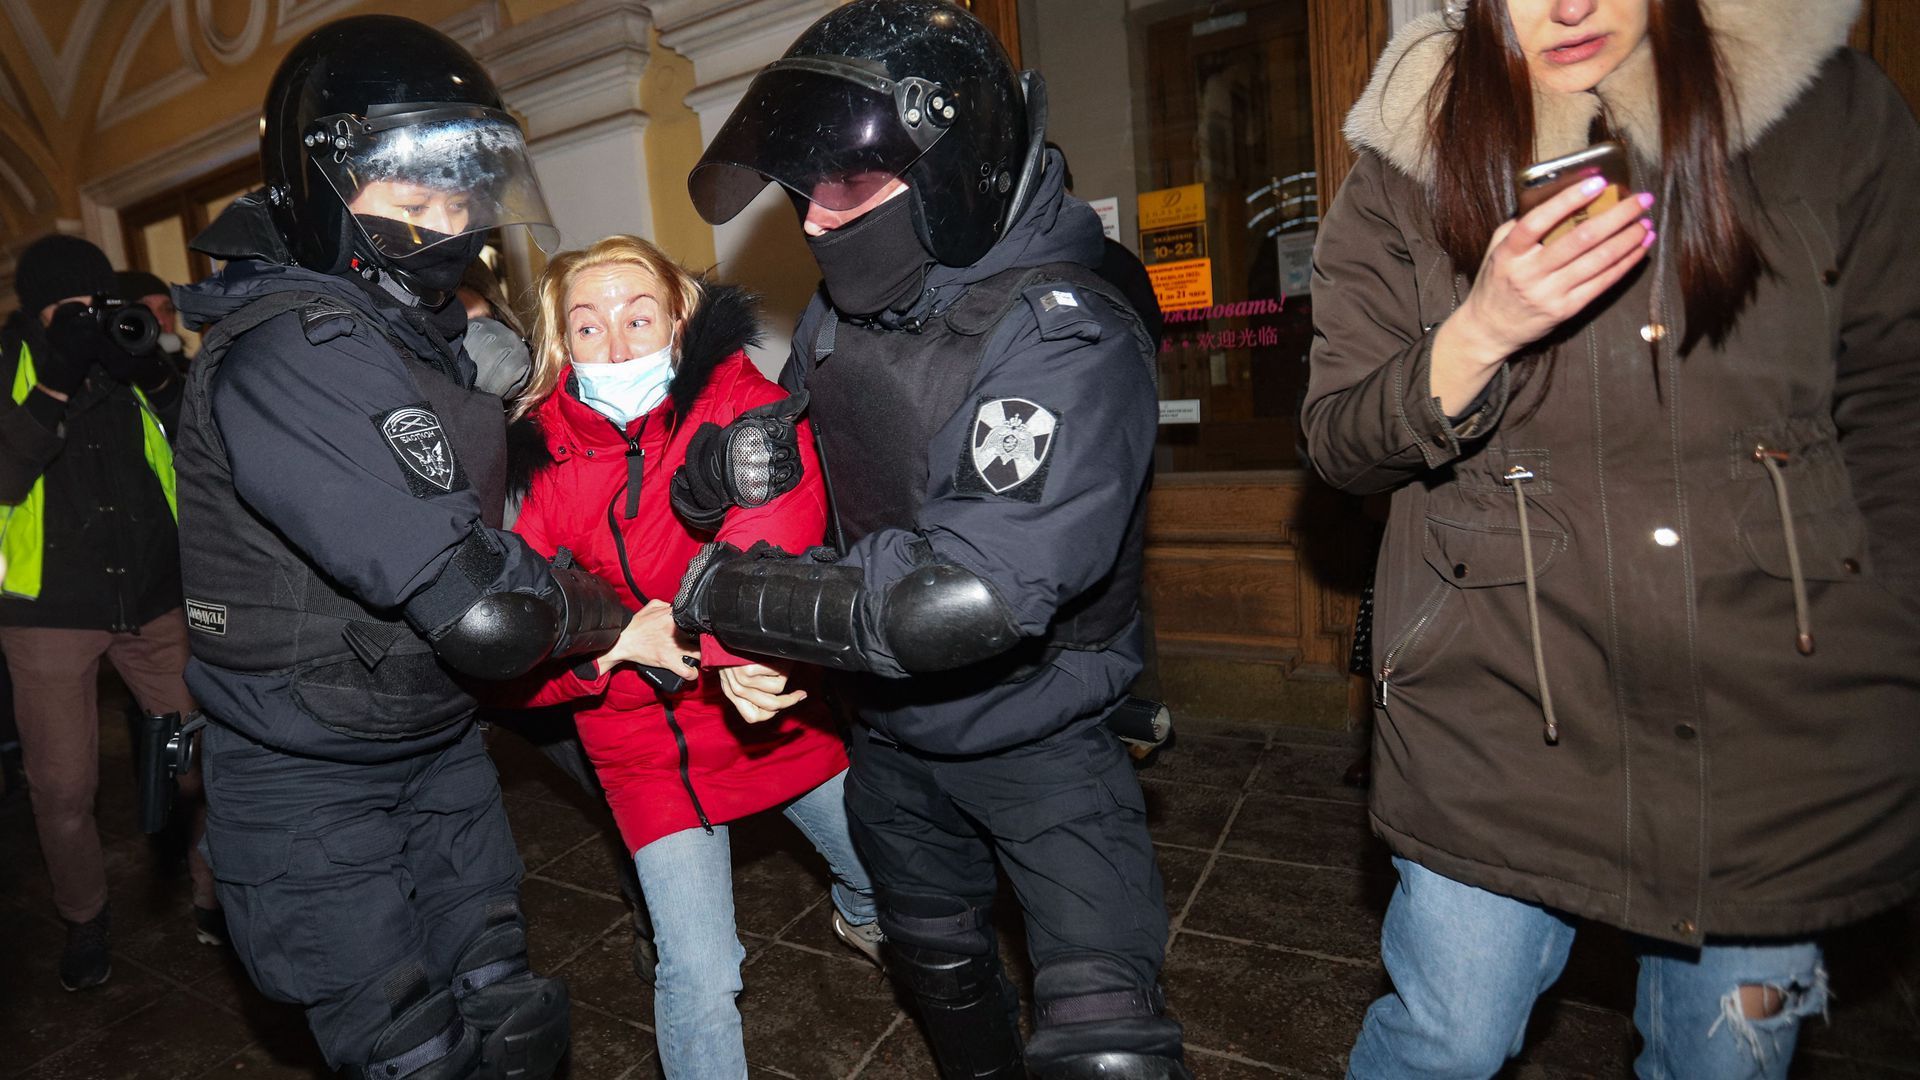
87 86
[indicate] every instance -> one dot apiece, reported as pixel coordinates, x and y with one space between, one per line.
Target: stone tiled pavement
1276 888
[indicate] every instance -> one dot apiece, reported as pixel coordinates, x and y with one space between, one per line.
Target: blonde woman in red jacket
633 356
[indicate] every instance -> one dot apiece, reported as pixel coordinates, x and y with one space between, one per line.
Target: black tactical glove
689 608
149 371
73 344
748 463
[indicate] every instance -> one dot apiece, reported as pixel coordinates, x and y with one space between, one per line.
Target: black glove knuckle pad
752 461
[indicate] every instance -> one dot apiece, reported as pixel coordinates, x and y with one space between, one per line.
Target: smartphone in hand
1538 183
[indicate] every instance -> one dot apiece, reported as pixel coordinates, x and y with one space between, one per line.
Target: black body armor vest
883 394
256 605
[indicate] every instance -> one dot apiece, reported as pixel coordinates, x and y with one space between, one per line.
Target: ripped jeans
1467 966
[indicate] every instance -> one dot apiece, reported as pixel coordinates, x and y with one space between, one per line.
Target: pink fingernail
1648 242
1646 200
1647 224
1593 185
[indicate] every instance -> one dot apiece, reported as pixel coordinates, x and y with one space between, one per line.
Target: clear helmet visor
829 133
414 177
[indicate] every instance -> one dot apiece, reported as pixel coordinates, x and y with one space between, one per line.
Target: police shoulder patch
1009 449
420 444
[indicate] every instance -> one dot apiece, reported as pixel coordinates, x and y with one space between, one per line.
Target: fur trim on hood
1772 50
727 321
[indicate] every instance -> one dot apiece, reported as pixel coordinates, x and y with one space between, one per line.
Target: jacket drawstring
1516 477
1772 459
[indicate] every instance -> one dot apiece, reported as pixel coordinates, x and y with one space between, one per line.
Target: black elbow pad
942 616
502 635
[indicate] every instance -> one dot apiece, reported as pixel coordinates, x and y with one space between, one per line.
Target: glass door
1200 152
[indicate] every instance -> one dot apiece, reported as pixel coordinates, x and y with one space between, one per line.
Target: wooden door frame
188 201
1003 18
1889 31
1344 38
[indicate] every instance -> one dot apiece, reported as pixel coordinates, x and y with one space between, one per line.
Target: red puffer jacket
681 762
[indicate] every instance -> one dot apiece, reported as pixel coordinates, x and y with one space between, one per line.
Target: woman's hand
652 639
1525 289
756 690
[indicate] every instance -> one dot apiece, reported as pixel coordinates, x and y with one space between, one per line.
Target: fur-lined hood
1772 50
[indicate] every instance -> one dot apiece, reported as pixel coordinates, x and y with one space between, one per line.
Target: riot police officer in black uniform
985 408
340 491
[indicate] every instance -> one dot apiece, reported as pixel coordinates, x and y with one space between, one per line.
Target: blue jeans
688 881
1467 966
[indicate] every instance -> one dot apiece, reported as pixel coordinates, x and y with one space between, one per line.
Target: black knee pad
969 1010
523 1019
428 1040
1095 1011
496 956
531 1036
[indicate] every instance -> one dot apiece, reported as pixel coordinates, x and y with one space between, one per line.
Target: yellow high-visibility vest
23 526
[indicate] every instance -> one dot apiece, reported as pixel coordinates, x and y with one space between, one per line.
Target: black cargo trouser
343 881
1067 819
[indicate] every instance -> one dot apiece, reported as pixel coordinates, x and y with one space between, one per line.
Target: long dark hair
1482 129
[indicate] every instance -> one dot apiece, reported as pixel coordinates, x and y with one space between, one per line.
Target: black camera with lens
162 751
129 325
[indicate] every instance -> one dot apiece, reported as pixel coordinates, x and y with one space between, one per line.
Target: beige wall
674 144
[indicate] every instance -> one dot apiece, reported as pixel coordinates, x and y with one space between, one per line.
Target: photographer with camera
92 556
153 292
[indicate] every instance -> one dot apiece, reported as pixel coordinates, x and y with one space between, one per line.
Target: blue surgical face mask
625 391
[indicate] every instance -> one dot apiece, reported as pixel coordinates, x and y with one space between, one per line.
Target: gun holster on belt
162 751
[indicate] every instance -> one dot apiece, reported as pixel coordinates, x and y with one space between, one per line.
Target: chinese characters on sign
1248 337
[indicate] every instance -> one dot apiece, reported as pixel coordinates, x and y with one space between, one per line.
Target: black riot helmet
883 89
385 148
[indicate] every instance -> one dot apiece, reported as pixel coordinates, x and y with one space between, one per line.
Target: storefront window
1199 150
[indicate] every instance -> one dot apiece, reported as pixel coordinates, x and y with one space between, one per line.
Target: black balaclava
433 272
876 263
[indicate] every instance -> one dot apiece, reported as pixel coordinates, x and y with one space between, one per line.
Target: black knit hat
58 266
136 284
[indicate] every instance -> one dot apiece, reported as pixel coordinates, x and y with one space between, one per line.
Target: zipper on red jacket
686 778
636 459
636 466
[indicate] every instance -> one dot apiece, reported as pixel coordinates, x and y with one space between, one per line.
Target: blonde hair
680 293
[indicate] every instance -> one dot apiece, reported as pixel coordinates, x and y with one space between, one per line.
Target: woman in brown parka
1647 637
